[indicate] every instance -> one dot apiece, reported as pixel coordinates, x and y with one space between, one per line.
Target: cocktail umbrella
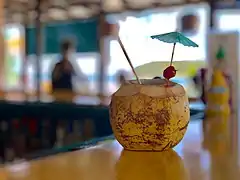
174 37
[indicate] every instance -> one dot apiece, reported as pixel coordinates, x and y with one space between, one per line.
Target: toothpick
128 59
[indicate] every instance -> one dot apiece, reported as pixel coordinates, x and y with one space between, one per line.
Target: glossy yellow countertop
207 152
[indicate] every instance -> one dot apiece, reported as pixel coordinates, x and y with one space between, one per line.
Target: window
87 73
14 47
150 57
47 62
84 63
227 20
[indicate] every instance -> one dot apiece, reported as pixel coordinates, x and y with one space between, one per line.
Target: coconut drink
153 114
149 116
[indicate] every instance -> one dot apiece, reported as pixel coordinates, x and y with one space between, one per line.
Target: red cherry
169 72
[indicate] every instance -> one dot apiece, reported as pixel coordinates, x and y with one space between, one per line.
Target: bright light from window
135 33
228 20
87 64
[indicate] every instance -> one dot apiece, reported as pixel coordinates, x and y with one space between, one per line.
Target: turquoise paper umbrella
175 37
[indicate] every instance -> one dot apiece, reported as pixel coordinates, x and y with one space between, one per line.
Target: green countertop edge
76 146
86 144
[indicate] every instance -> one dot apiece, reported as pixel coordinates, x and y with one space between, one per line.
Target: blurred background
135 31
34 117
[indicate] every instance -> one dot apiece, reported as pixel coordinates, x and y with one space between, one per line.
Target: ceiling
23 11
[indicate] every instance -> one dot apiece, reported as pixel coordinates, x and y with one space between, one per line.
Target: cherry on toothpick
169 73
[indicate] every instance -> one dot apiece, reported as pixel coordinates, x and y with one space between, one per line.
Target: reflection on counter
217 135
166 165
217 141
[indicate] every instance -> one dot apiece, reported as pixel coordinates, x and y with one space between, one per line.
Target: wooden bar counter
207 152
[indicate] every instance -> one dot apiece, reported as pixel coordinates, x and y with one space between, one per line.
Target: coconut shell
149 116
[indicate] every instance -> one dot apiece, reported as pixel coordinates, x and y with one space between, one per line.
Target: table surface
206 153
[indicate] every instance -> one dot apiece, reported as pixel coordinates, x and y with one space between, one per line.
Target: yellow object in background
218 95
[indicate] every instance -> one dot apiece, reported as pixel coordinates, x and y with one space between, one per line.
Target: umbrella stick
128 59
172 53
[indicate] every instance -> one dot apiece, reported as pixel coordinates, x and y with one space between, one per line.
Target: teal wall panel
84 34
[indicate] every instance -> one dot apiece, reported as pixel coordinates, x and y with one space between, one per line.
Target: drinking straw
128 59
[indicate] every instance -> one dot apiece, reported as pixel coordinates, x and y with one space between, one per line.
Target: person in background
200 81
64 71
